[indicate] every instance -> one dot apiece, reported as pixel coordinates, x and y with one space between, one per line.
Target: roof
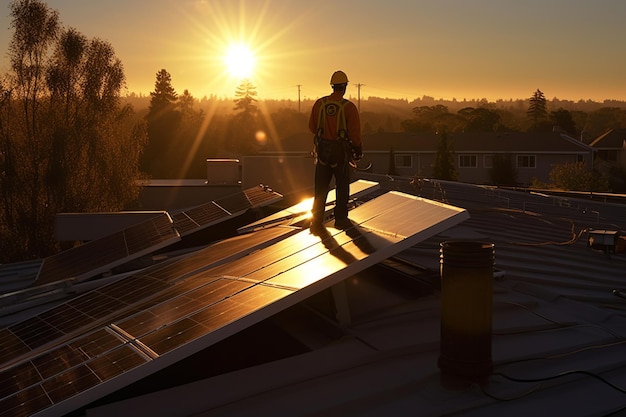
558 328
613 139
498 142
557 331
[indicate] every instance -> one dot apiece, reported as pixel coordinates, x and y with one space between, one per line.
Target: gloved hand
357 152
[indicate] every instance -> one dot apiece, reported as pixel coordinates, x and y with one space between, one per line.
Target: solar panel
101 255
300 211
198 305
109 301
97 256
209 214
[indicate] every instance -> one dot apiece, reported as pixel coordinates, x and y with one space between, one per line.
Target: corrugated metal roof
558 338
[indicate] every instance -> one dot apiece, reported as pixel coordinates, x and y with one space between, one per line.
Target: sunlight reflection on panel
302 210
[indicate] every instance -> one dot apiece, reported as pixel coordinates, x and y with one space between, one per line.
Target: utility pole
299 85
358 89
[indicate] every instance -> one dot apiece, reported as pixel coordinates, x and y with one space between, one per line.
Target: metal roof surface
558 338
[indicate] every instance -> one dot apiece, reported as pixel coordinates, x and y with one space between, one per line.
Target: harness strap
341 119
342 139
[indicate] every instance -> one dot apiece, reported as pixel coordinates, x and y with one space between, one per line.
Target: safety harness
331 108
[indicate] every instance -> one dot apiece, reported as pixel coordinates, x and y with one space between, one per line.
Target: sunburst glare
239 60
234 42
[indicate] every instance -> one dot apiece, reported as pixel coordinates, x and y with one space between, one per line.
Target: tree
431 119
481 119
537 109
186 104
164 121
503 171
606 118
576 177
443 167
36 29
67 144
244 123
564 120
164 96
246 98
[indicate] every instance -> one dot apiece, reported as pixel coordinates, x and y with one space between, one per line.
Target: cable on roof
561 375
517 397
563 325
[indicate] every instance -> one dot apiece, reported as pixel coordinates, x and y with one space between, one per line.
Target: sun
239 61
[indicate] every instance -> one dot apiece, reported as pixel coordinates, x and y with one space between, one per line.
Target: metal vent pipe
466 270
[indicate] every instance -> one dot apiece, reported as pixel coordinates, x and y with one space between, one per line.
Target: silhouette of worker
337 128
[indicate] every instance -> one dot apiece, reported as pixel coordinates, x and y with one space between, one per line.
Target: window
468 161
526 161
488 161
404 161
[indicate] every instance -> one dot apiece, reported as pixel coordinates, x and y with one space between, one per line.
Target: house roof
613 139
509 142
558 326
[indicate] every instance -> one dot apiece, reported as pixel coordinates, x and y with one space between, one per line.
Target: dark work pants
323 176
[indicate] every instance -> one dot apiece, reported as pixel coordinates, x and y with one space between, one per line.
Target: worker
336 126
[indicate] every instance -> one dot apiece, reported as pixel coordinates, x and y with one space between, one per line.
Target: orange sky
493 49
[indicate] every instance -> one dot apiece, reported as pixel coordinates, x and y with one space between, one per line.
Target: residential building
533 155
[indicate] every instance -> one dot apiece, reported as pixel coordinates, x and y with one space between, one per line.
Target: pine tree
163 127
246 98
537 110
164 96
244 124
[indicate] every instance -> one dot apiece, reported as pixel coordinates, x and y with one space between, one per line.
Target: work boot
343 224
317 229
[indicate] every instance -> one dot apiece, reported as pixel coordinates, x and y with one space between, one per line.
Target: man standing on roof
335 122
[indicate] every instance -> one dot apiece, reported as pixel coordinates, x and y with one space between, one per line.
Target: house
532 154
611 147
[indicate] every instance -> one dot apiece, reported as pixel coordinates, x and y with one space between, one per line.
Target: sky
404 49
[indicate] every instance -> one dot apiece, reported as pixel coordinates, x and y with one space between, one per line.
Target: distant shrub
577 177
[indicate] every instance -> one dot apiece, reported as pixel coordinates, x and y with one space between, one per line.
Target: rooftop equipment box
223 171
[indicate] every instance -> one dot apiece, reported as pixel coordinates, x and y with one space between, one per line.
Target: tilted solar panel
107 302
202 305
97 256
205 215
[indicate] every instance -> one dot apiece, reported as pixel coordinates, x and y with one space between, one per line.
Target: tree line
69 141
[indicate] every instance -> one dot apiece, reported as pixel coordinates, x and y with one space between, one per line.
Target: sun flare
239 60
